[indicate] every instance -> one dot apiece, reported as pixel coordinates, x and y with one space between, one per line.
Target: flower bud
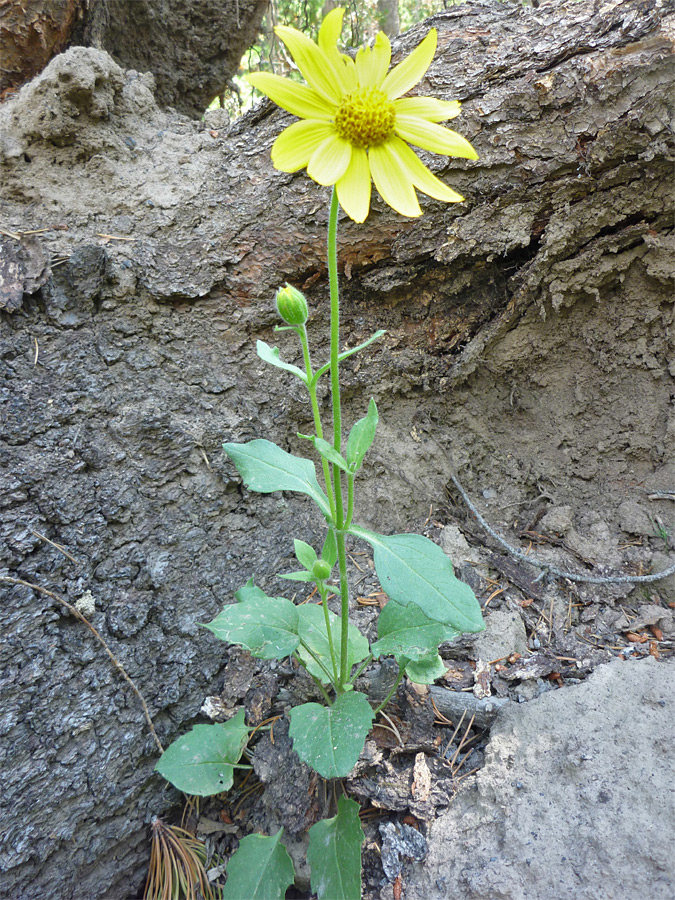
292 306
321 570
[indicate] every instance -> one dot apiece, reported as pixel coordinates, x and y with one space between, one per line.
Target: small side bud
292 305
321 570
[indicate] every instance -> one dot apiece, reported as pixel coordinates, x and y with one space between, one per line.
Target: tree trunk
193 49
387 15
530 345
31 32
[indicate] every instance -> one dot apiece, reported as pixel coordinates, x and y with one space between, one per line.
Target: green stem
344 609
337 433
401 670
350 501
329 632
335 351
311 387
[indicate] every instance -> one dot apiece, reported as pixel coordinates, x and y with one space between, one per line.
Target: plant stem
337 434
329 633
350 500
311 387
344 609
401 670
335 350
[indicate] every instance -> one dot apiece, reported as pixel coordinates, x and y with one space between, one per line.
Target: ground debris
399 844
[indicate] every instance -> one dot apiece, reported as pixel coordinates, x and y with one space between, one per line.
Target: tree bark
529 346
193 49
31 33
387 14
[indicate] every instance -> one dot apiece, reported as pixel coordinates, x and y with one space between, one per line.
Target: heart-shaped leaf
334 853
266 626
265 468
312 633
330 739
405 632
260 869
201 761
412 569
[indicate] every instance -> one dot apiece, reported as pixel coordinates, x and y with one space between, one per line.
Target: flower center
365 118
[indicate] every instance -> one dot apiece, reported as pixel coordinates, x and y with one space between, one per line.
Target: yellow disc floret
365 118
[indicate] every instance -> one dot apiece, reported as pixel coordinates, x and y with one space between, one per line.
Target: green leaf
405 632
267 468
412 569
327 451
346 353
271 355
304 554
266 626
330 551
334 854
330 739
426 669
260 869
361 437
201 761
312 631
302 575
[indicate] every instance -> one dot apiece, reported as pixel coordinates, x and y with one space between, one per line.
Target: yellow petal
391 180
411 70
344 66
298 99
372 65
433 137
314 64
294 147
329 161
420 176
331 28
353 189
428 108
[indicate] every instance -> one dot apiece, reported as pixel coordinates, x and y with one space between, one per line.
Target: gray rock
558 520
634 520
576 798
456 545
665 587
504 634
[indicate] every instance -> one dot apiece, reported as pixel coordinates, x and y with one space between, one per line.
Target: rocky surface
576 798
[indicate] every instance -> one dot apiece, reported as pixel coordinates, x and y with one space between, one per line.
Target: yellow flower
355 121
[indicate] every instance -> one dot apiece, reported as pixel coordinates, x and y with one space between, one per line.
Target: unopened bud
321 570
292 306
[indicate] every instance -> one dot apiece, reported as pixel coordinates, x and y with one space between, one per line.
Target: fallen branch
547 568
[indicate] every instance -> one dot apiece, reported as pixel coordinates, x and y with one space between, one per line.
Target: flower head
356 124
